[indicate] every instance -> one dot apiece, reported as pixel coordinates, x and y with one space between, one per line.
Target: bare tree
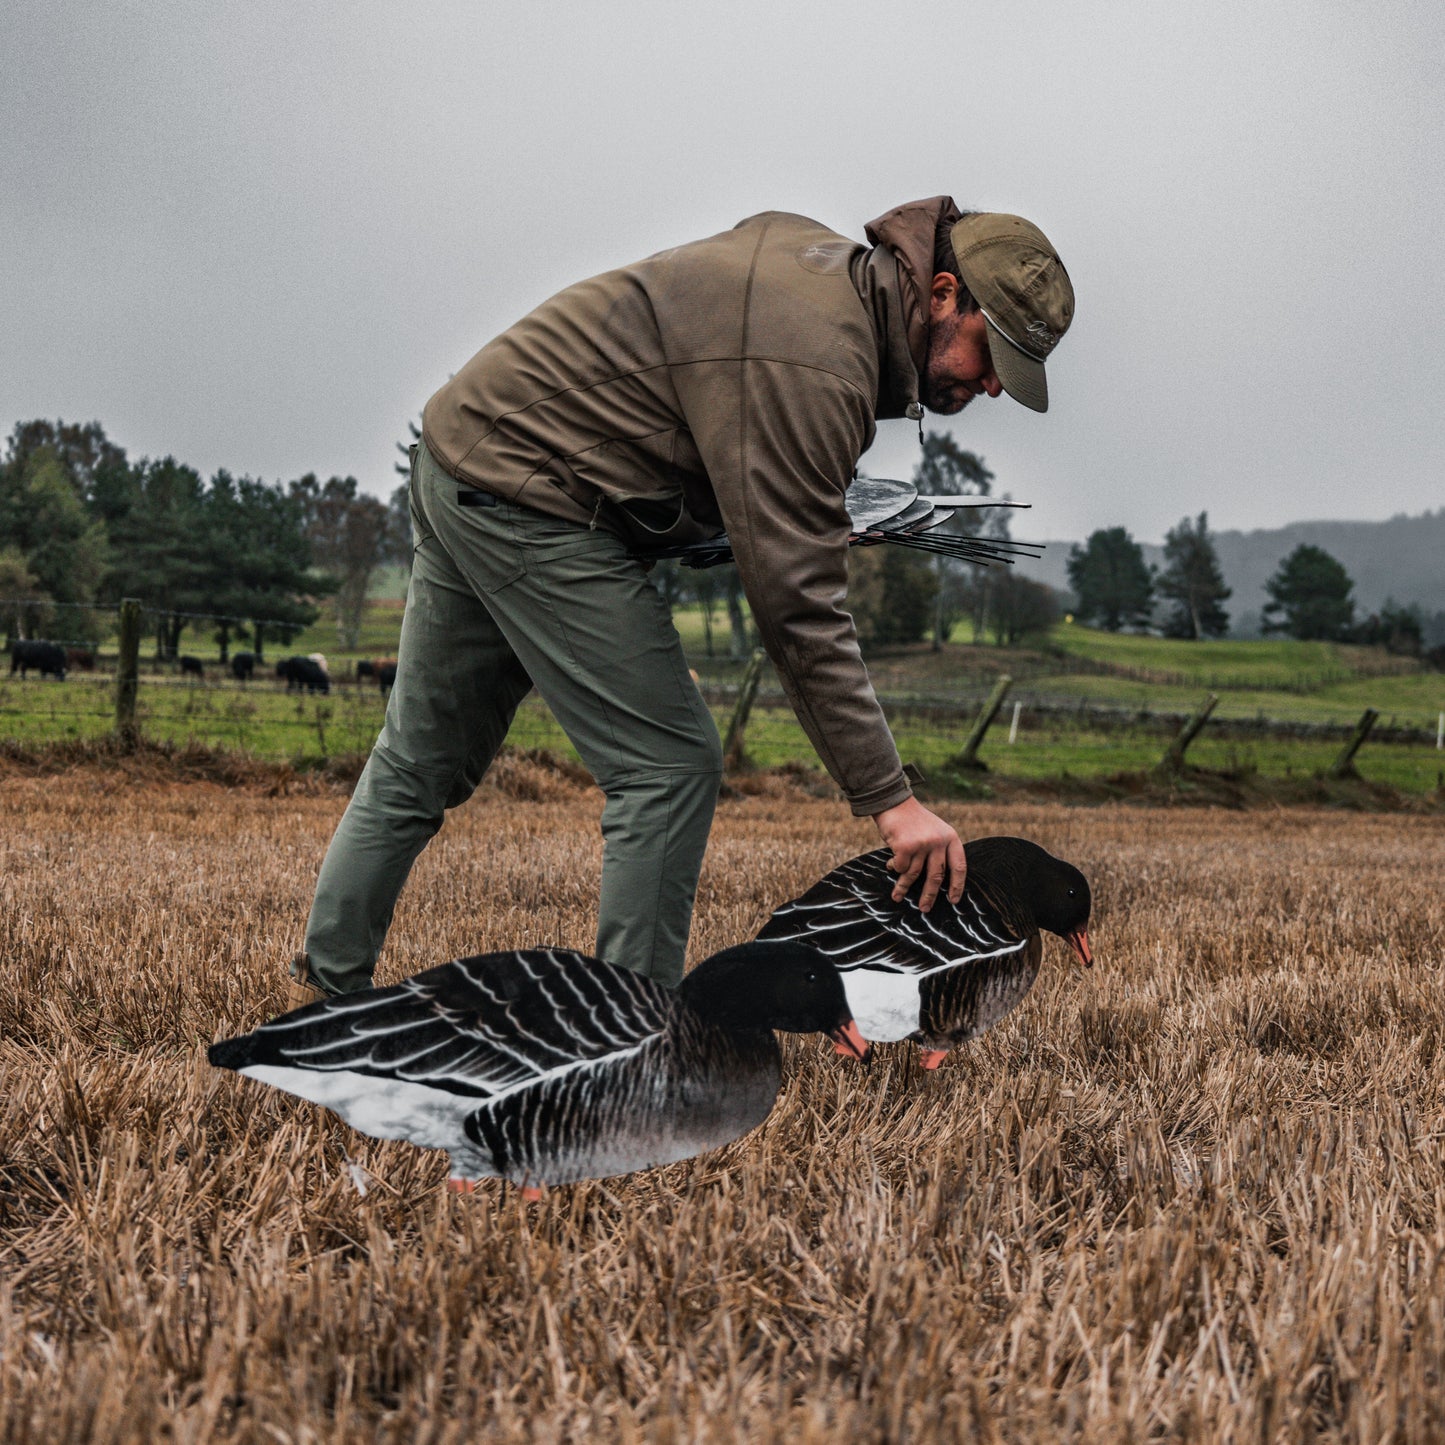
349 533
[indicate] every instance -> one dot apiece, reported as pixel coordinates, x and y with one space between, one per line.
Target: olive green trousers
503 598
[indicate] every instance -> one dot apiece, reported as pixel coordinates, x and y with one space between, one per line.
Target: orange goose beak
1078 940
848 1042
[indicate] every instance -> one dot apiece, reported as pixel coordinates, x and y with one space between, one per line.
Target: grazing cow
320 660
299 672
383 669
47 657
243 664
191 666
80 659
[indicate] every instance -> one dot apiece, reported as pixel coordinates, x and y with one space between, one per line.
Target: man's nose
991 384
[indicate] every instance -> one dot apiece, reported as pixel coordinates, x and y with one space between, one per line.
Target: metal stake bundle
884 510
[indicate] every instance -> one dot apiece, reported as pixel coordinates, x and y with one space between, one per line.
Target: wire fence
258 717
199 699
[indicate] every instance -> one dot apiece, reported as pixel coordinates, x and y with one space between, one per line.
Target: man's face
959 365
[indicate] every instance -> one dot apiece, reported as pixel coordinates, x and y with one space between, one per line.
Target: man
731 384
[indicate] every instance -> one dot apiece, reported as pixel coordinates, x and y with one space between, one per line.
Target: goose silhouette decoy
547 1065
945 976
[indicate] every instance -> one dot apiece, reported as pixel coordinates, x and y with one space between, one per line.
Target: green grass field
1289 681
774 738
1415 700
1276 663
264 721
260 718
1285 681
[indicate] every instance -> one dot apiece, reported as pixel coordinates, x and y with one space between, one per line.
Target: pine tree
947 470
1113 583
1192 582
349 536
1310 597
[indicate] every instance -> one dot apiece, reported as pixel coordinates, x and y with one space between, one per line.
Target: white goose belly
885 1006
385 1108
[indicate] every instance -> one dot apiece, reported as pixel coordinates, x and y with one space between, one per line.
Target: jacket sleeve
779 441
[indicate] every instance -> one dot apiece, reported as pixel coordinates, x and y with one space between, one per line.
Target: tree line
81 526
252 562
1309 593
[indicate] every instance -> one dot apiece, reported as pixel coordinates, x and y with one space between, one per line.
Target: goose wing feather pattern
944 976
851 918
480 1026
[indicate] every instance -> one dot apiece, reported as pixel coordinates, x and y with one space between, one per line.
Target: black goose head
1040 890
786 986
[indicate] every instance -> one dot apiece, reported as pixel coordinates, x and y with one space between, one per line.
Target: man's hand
923 845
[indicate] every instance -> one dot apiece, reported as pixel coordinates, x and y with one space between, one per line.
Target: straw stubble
1197 1193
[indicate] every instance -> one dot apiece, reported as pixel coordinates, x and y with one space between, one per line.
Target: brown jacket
728 384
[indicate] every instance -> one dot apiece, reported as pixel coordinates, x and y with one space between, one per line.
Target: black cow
192 666
299 672
243 664
80 658
47 657
383 669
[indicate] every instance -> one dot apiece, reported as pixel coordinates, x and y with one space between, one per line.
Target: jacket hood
906 232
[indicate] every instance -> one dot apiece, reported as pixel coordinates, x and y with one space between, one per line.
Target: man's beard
941 394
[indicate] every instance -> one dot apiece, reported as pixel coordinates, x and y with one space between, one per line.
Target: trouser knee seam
405 765
627 779
432 778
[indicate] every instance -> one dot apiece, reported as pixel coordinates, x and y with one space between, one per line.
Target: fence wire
1054 733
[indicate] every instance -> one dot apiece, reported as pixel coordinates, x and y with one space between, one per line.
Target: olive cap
1025 295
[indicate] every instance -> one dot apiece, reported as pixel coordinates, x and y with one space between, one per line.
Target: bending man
727 385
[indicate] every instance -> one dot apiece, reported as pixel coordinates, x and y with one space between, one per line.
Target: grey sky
258 236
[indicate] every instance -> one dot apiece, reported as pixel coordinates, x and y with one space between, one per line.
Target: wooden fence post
968 757
1344 765
733 754
127 673
1173 759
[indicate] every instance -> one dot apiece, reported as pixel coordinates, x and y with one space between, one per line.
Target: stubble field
1197 1193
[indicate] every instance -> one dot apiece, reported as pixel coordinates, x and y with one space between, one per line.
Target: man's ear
942 295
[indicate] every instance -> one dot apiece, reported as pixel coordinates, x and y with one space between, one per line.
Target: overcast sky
258 236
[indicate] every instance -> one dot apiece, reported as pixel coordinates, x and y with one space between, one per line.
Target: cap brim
1020 374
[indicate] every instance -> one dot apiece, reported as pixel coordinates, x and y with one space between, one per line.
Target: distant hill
1403 558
